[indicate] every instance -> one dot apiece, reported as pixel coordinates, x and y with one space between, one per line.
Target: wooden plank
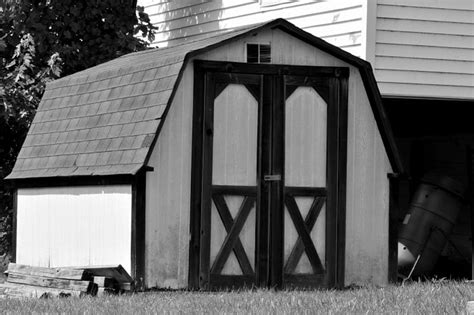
424 13
206 192
305 191
298 248
423 64
262 263
138 230
78 285
196 178
424 39
426 77
59 273
420 90
116 272
426 52
234 190
277 167
343 121
27 291
205 20
304 235
420 26
232 240
454 5
104 282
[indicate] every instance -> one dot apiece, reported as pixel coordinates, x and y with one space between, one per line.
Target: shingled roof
104 120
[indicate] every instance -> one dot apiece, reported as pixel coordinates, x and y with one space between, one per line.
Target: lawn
436 297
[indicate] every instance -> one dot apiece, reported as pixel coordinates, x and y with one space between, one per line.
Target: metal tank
429 221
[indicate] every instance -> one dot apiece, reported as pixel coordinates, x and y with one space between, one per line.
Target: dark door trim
338 77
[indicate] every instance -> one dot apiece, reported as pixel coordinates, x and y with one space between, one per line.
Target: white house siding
74 226
168 186
337 22
425 48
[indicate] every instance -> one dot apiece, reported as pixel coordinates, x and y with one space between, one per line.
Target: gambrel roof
105 120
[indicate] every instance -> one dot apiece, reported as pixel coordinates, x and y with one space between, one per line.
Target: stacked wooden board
29 281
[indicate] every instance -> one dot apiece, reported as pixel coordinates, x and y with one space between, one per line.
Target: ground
435 297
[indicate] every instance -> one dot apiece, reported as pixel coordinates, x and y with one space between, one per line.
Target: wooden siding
418 48
425 48
367 192
337 22
168 186
367 204
168 195
74 226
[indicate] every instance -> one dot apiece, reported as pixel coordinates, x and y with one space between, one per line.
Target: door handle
272 178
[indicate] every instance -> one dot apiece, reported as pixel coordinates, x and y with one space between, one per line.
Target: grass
436 297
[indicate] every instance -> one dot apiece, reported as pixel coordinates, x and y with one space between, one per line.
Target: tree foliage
41 40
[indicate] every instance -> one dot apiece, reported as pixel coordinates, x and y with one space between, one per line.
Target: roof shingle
103 120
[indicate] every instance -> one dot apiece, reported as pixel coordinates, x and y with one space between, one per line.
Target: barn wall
168 195
337 22
168 186
425 48
74 226
367 160
367 192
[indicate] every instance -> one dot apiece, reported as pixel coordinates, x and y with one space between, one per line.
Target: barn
255 157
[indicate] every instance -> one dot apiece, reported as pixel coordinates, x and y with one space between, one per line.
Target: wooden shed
254 157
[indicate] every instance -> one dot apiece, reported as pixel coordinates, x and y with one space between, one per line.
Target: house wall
74 226
168 187
425 48
418 48
337 22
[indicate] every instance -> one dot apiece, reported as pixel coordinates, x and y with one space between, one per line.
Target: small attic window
259 53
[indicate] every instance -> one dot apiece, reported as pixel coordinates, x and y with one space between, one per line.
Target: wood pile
42 282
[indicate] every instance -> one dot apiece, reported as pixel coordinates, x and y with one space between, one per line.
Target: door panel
305 138
268 175
306 166
235 137
231 133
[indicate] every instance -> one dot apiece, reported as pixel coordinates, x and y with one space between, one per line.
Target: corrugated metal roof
104 120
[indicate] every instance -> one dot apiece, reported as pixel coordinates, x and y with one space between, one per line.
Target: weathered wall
168 187
74 226
418 48
425 48
168 195
337 22
367 193
367 161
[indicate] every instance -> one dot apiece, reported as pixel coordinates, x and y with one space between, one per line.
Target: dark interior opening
438 136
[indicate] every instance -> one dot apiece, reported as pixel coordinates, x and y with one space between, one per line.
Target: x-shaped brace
232 240
304 242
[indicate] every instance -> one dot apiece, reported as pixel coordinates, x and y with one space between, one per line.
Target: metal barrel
430 219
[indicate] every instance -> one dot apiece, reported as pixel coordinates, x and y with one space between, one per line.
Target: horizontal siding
426 52
456 5
425 48
336 22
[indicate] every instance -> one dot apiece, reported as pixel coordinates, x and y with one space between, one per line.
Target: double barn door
267 167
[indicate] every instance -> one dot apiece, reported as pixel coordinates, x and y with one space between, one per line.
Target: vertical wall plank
168 189
71 226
